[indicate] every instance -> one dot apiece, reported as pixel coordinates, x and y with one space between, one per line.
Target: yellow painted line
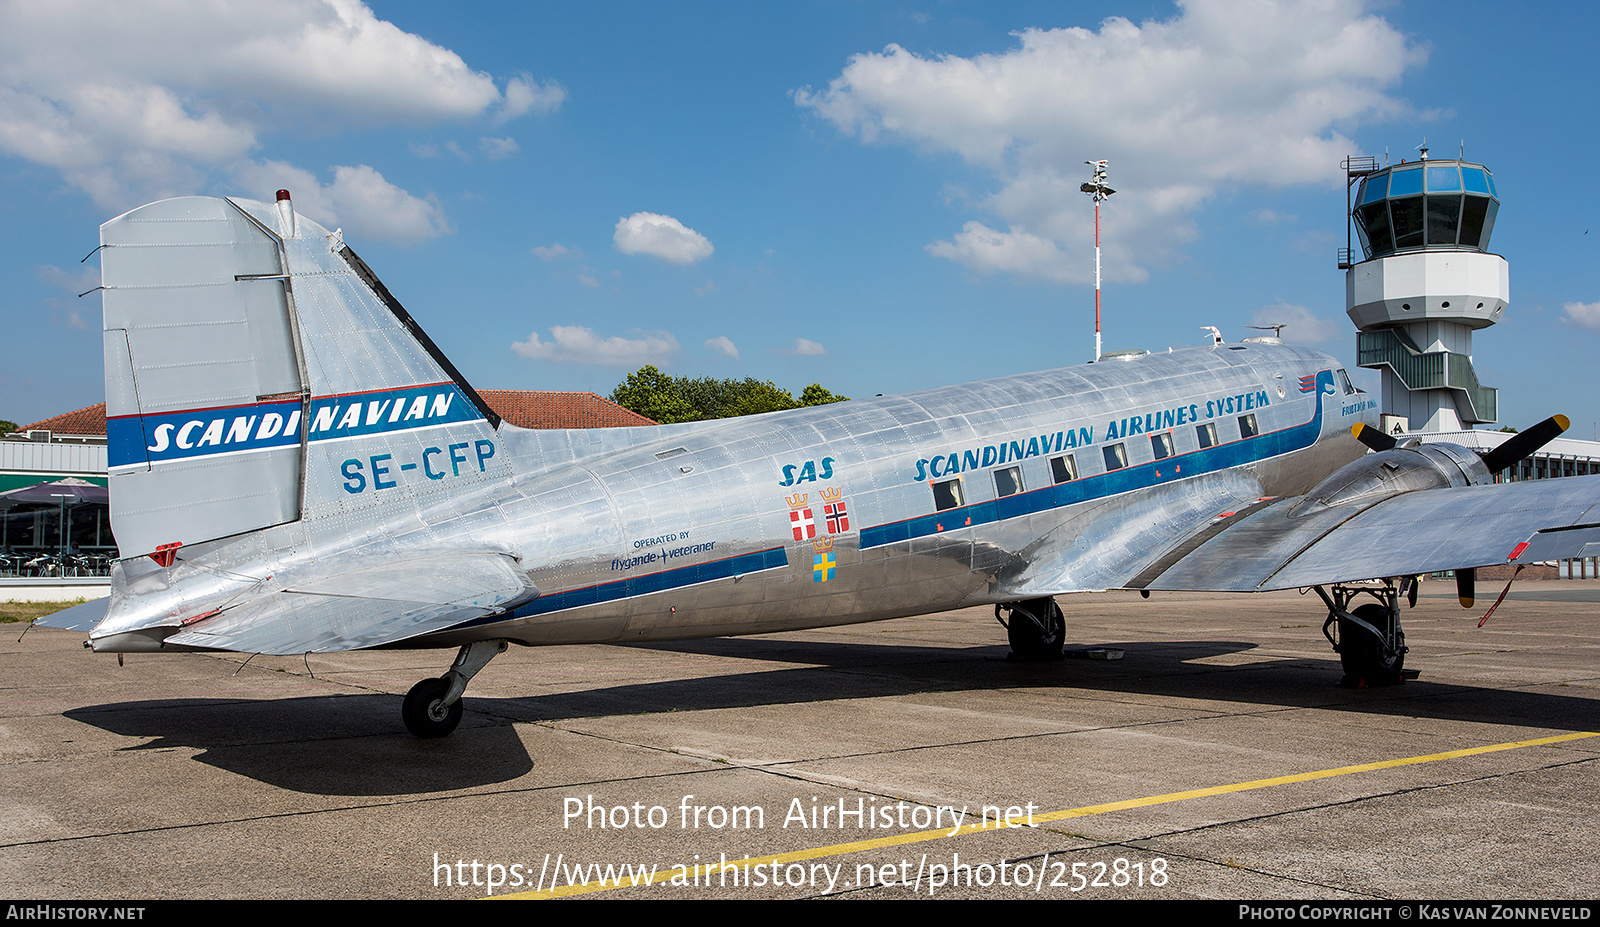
701 872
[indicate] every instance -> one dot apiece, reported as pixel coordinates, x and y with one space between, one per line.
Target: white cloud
803 347
588 280
724 346
579 345
1225 93
1585 314
73 281
131 102
553 251
661 236
525 95
498 149
987 251
1300 325
358 199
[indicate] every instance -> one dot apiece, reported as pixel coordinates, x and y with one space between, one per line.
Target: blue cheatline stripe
1143 476
643 585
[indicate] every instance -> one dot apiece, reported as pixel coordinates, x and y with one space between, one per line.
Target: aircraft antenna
1097 191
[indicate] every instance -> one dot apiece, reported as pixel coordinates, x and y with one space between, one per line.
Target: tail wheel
424 710
1037 630
1367 656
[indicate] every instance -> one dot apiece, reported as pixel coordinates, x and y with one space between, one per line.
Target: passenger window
1207 434
1162 445
947 495
1064 469
1247 426
1116 457
1008 482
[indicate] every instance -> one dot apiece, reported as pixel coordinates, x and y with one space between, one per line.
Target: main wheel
1037 630
424 710
1365 656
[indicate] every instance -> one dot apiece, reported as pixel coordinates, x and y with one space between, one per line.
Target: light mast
1097 191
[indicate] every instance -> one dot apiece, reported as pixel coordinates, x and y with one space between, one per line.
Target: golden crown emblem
823 543
830 494
797 501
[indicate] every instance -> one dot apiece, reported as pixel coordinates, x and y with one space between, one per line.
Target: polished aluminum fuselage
702 531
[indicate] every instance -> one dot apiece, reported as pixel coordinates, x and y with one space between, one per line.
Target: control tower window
1374 225
1444 218
1407 215
1444 179
1473 212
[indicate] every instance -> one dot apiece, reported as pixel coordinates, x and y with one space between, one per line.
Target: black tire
1037 630
1363 655
425 714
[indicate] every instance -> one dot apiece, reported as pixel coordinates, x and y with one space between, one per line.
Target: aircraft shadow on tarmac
355 745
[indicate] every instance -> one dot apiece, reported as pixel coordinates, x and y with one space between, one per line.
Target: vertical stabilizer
258 374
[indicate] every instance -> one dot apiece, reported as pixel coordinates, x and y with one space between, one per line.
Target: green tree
667 399
817 395
7 427
654 395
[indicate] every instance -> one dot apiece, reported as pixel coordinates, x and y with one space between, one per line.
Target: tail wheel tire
1363 655
1037 630
426 714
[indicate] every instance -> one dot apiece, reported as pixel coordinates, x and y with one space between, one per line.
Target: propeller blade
1466 581
1524 443
1374 438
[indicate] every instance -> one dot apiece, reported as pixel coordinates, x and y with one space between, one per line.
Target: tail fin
257 373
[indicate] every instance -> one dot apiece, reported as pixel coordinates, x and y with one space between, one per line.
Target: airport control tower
1426 281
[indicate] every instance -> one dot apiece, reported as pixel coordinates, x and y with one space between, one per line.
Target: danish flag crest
801 521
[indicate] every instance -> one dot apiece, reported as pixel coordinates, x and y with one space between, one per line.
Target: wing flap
1418 532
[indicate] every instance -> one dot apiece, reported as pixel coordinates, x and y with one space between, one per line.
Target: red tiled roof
523 408
90 421
545 409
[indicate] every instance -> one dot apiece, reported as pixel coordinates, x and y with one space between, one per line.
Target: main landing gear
433 706
1037 629
1370 643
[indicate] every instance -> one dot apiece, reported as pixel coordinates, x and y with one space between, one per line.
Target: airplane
295 467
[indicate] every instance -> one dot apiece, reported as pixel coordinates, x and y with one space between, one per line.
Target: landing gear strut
1037 629
1370 643
433 706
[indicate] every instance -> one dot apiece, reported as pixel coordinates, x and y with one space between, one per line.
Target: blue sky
879 197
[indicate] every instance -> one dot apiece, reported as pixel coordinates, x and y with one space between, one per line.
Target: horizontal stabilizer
81 617
369 607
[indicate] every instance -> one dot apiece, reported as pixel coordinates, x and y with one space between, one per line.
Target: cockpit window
1344 382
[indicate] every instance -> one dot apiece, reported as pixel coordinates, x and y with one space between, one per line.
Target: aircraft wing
1269 546
375 605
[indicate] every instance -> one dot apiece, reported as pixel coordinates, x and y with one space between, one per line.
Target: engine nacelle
1390 473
